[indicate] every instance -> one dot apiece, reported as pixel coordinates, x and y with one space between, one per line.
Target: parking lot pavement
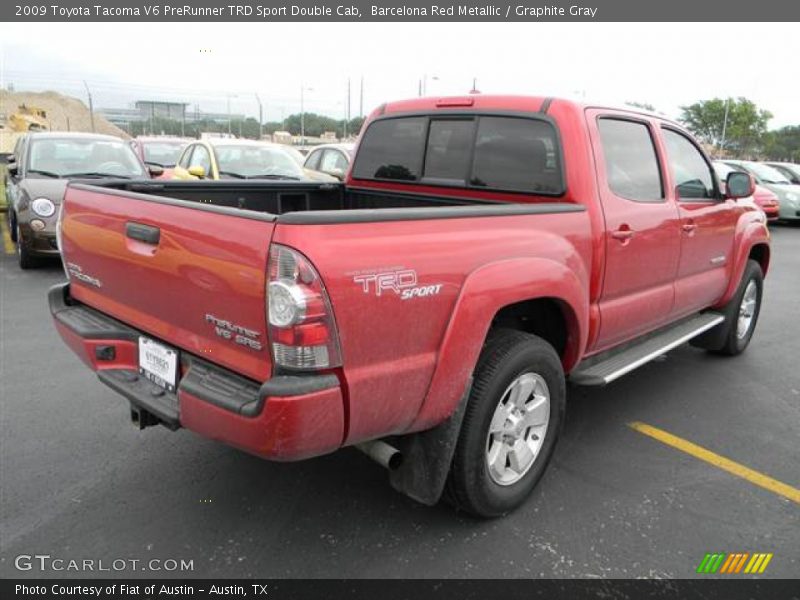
79 482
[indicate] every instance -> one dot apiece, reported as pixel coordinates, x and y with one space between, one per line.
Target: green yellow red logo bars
734 562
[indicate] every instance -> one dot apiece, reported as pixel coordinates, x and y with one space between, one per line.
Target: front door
642 232
708 223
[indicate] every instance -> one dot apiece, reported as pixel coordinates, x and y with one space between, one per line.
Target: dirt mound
64 113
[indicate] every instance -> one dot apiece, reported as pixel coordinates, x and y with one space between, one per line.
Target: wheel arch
752 241
536 295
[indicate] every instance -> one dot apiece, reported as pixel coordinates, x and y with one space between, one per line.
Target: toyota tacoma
429 309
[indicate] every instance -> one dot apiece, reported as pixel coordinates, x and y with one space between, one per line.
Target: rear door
193 278
642 233
708 223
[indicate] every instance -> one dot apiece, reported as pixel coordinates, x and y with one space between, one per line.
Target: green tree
745 129
783 144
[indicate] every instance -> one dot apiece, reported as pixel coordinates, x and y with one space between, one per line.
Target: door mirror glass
155 170
739 185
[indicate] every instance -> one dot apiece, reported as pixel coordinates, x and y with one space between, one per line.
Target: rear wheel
512 420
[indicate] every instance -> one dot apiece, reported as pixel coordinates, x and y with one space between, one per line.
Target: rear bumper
284 418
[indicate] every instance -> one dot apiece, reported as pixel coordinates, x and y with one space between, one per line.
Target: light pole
724 129
303 90
91 106
423 83
229 96
260 118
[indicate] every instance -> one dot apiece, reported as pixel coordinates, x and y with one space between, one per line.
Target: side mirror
197 171
13 169
156 170
739 185
11 158
338 173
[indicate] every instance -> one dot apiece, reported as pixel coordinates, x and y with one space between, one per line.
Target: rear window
504 153
516 154
392 149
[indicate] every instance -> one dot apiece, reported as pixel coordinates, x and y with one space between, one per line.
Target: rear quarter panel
391 346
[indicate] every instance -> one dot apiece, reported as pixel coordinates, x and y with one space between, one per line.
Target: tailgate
192 276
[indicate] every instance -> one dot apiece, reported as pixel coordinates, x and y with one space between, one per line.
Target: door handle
144 233
622 234
689 227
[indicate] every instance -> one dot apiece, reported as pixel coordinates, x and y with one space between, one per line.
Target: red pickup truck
429 310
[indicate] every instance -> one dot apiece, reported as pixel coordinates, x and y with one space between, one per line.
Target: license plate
158 363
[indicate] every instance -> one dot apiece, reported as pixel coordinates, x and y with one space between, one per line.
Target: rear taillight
302 330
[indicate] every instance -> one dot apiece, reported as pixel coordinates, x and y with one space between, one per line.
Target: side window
313 160
187 153
332 160
448 151
200 158
392 149
691 172
632 167
517 155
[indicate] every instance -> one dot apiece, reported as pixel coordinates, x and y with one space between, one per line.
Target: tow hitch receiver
141 418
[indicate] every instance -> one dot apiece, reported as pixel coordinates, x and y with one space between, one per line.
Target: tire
12 227
728 339
750 292
24 257
510 361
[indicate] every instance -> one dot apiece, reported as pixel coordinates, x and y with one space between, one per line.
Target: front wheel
512 420
742 315
24 257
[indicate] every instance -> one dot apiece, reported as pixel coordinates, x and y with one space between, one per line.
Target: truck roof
501 102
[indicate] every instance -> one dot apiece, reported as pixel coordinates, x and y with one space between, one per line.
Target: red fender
486 291
751 232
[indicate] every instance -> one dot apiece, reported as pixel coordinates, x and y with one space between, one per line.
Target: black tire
12 226
24 257
725 339
507 355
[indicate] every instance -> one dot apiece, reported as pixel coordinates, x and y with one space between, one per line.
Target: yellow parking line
734 468
8 245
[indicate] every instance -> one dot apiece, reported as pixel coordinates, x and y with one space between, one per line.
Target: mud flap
427 456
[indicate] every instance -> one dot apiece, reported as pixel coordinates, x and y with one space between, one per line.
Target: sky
212 64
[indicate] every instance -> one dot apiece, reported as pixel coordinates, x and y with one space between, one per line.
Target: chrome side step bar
608 367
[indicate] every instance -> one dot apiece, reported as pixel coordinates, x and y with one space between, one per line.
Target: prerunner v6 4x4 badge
235 333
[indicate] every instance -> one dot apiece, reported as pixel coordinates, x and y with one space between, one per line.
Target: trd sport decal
402 282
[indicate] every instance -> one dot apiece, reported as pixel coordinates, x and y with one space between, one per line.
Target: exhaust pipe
382 453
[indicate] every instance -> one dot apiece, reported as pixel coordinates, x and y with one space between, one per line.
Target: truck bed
301 202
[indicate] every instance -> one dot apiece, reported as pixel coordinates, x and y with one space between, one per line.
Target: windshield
723 170
791 168
257 161
64 157
296 155
766 174
163 154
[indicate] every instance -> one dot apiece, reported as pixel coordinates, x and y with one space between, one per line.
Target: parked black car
38 172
